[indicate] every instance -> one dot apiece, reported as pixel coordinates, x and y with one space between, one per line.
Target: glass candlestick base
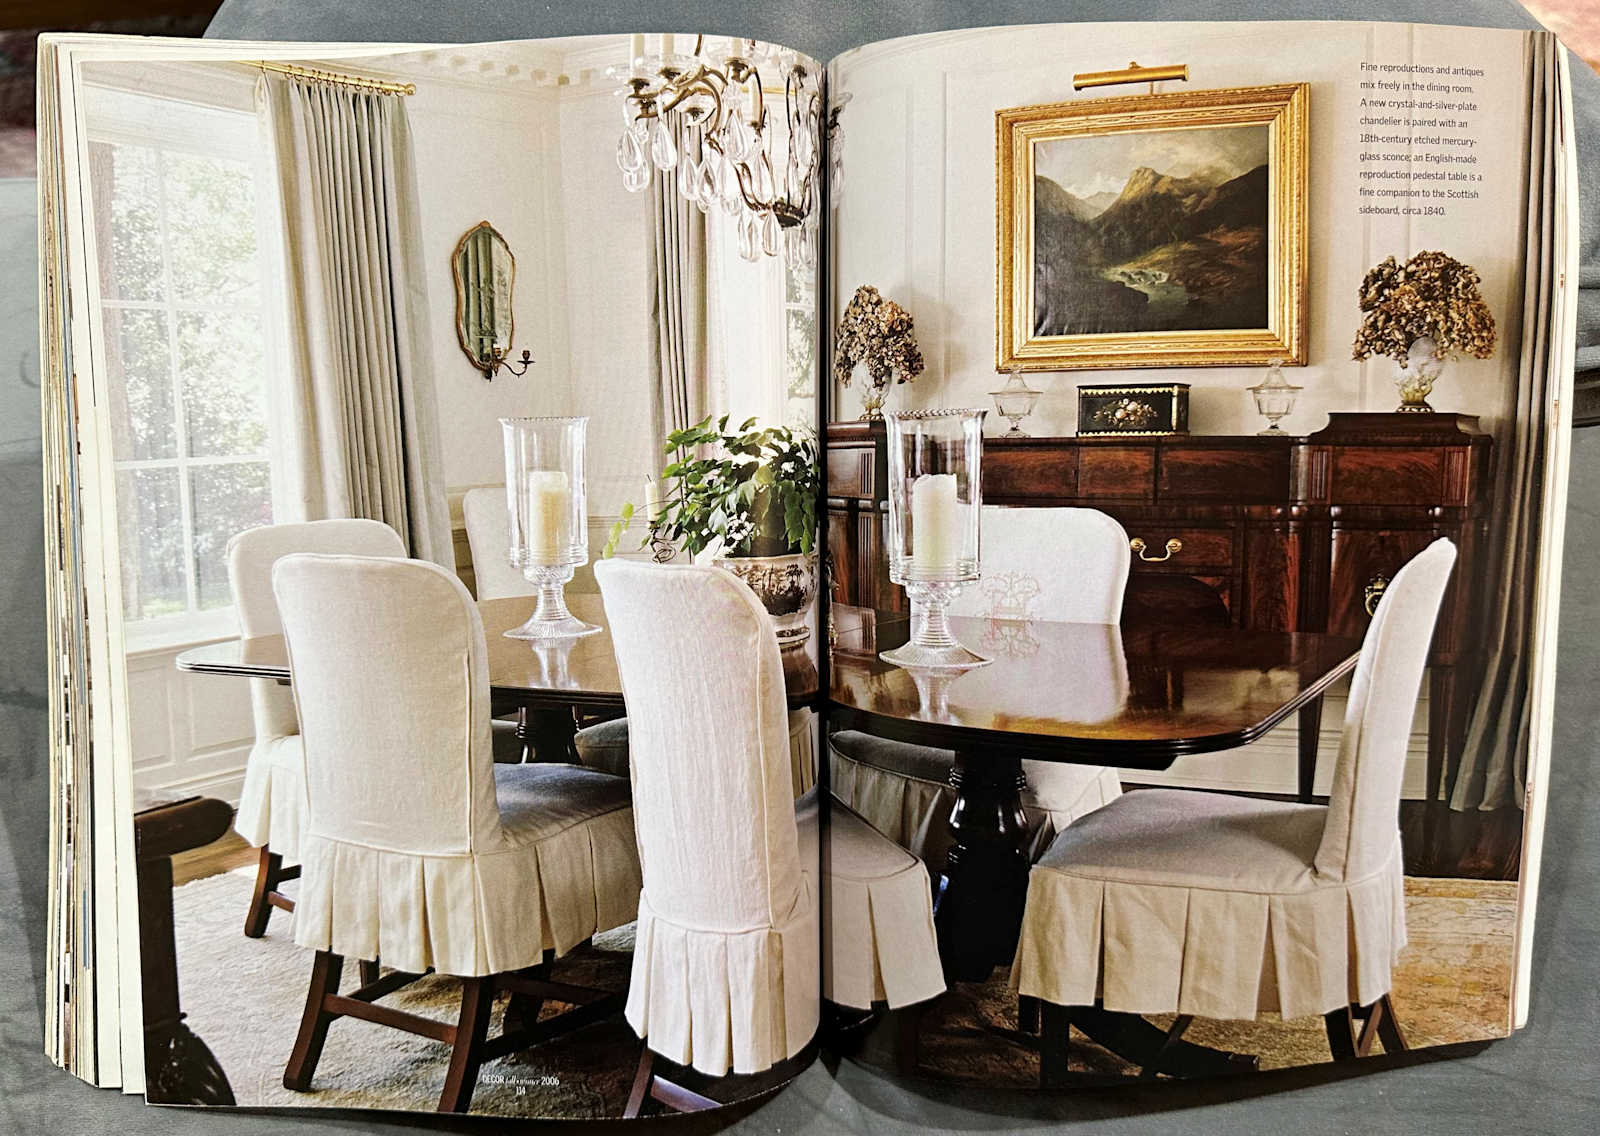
932 646
550 618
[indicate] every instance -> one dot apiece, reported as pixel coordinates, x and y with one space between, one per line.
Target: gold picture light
1132 73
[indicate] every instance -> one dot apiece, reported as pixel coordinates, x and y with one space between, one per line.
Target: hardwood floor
213 859
1468 845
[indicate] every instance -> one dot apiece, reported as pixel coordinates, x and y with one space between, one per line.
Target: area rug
244 998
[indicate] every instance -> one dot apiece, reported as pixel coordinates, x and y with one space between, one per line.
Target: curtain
678 305
1494 760
362 424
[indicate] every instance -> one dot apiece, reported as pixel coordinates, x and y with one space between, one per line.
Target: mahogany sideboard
1286 533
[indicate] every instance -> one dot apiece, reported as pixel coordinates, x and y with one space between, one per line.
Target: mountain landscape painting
1150 231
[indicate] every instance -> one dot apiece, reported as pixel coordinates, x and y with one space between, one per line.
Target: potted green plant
1420 314
749 497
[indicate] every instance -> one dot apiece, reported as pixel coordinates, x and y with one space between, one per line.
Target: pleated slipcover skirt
904 792
1168 901
272 802
746 1000
566 867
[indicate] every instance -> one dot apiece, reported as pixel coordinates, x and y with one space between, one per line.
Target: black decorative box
1157 408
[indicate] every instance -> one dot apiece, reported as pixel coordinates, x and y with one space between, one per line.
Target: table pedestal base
978 913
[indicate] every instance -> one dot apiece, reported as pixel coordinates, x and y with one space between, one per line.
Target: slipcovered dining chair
604 745
1065 565
726 970
416 846
1203 904
272 803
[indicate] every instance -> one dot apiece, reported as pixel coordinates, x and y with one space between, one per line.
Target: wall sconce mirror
485 272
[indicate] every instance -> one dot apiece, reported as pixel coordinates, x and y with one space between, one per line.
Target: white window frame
184 126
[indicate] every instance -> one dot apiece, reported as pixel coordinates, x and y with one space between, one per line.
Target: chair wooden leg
1055 1039
908 1032
370 971
1027 1014
325 971
1389 1032
641 1084
1180 1025
466 1054
255 920
1341 1025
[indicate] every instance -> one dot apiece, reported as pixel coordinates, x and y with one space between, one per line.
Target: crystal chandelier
704 126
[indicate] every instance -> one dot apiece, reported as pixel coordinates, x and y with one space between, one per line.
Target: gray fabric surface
1541 1080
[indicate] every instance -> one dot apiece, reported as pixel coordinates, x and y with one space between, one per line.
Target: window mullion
191 589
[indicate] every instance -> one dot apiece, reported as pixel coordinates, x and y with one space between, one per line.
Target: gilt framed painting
1162 230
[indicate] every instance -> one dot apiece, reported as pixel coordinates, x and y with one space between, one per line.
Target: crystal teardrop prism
748 239
662 152
630 156
769 234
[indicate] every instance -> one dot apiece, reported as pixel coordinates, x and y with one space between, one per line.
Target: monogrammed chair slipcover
1066 565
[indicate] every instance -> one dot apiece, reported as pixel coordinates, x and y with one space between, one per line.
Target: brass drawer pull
1138 545
1374 592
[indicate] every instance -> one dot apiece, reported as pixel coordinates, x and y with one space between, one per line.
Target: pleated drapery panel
1494 763
359 411
677 279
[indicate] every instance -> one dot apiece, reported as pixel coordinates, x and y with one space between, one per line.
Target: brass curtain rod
1132 73
359 82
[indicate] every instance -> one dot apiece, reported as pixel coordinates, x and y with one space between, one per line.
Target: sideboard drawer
1021 474
1111 472
1197 551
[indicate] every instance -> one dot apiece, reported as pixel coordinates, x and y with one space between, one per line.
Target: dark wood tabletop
573 672
1136 697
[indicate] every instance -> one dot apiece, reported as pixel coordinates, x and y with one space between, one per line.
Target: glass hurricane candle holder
935 504
548 514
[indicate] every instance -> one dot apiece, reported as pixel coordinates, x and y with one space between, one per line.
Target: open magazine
585 573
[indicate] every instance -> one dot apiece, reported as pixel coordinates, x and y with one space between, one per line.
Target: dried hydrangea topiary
878 333
1432 295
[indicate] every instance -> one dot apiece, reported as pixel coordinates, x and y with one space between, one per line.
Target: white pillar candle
652 498
635 49
549 503
935 523
666 45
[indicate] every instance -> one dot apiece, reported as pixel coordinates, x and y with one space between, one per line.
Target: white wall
917 215
488 155
19 319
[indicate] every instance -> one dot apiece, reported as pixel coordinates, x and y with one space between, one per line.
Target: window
800 344
179 240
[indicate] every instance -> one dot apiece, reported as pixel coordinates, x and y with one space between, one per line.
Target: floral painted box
1144 409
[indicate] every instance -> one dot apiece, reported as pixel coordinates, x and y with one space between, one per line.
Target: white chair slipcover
1224 907
726 972
1066 565
489 539
417 848
272 802
605 747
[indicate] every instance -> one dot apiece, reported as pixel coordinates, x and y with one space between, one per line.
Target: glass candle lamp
548 514
935 503
1274 397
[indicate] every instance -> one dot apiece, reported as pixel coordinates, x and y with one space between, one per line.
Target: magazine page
426 400
1196 459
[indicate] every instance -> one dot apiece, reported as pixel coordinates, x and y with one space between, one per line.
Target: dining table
557 683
